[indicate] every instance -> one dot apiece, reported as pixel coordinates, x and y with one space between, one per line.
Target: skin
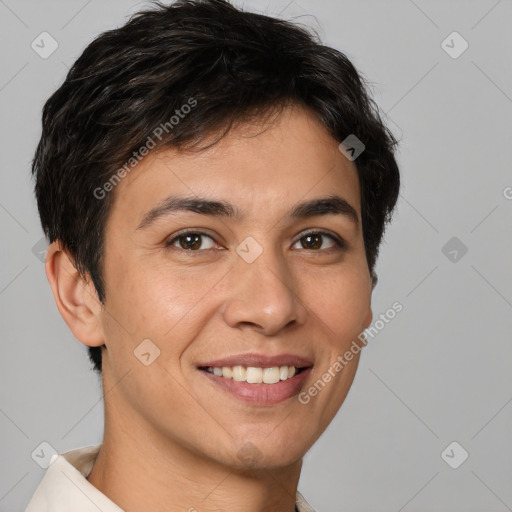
172 438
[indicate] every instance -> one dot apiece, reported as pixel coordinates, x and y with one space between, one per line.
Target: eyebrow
331 205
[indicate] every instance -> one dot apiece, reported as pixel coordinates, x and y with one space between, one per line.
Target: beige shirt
64 487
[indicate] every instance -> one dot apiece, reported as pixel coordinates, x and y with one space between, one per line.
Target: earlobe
369 318
369 315
76 298
374 280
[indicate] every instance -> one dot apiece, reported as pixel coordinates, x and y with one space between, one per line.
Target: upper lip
259 361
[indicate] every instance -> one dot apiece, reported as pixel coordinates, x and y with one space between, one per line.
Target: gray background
436 374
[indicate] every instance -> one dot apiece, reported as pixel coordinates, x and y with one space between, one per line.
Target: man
215 186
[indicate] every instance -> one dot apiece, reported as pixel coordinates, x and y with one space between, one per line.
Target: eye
192 241
319 240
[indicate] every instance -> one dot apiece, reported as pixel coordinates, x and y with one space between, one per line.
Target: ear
374 280
76 297
369 315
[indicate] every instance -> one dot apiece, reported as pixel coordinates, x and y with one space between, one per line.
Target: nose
263 296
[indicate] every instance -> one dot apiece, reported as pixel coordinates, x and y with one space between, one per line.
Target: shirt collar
65 486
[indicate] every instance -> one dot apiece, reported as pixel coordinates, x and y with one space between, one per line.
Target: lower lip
261 394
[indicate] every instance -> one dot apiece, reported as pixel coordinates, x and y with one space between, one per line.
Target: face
248 254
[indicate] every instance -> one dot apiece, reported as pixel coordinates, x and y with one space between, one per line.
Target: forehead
262 168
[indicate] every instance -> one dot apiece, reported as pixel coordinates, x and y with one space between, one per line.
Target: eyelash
338 241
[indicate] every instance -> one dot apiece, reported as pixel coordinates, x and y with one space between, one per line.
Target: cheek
341 301
156 302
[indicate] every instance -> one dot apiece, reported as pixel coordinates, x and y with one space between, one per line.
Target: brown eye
192 241
311 241
319 241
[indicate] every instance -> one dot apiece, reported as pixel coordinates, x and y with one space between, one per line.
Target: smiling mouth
255 375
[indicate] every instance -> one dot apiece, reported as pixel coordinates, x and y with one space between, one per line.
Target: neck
140 470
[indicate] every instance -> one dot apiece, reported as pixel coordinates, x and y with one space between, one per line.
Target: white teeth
254 375
227 372
271 375
239 373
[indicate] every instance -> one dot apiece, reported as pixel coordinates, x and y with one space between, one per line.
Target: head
198 116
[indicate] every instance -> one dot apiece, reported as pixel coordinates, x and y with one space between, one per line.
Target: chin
266 455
